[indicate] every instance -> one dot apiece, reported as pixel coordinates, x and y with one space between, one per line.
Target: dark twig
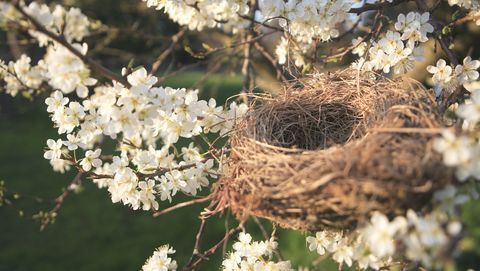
77 180
161 58
272 60
212 250
196 248
447 98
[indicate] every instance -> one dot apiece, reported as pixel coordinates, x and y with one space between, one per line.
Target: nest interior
333 148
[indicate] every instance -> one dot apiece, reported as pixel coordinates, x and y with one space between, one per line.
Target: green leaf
206 46
446 30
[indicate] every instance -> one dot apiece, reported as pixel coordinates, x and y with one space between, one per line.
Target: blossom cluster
21 75
161 260
463 151
381 242
446 77
398 50
306 20
248 255
198 15
71 24
286 50
147 122
59 68
467 4
416 238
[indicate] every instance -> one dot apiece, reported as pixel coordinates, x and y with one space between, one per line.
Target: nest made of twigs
333 148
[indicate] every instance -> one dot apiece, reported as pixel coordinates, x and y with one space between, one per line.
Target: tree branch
272 60
181 205
61 199
158 62
212 250
376 6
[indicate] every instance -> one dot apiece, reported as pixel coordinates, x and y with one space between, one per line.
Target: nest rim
255 195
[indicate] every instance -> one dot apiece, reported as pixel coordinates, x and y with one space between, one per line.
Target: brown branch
447 98
181 69
265 24
233 45
272 60
463 20
95 66
212 250
437 26
77 180
247 68
374 31
161 58
196 248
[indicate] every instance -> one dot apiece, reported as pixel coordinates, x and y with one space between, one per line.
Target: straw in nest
333 148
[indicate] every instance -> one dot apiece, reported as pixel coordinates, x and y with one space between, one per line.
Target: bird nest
333 148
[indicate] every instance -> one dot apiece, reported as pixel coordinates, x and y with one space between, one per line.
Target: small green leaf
457 14
446 30
206 46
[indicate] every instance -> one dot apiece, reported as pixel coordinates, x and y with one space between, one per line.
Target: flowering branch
93 64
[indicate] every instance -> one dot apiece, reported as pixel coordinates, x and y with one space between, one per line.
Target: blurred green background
91 233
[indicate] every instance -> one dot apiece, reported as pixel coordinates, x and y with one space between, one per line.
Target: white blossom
91 160
160 260
248 255
54 149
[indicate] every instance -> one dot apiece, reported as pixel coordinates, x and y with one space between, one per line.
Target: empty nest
333 148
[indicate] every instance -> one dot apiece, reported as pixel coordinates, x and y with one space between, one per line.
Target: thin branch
437 26
77 180
447 98
375 29
196 248
161 58
247 67
265 24
463 20
212 250
272 60
233 45
181 205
